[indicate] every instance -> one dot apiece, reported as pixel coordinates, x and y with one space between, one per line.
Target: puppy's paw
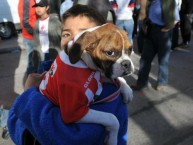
126 91
127 94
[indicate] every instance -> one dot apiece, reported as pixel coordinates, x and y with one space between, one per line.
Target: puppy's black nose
126 64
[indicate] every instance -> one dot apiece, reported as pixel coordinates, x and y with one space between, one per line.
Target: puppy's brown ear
85 40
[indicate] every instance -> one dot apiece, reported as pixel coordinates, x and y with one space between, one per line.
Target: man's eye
110 53
65 35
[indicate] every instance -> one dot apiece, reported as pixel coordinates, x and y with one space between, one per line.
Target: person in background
136 17
141 18
103 6
47 34
32 115
65 6
54 7
175 33
163 15
28 18
124 14
186 17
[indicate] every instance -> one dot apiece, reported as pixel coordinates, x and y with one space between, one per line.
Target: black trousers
175 36
185 27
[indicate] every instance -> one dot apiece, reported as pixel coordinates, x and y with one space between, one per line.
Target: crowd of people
157 25
129 15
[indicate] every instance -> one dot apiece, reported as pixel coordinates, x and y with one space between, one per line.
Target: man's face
72 26
41 11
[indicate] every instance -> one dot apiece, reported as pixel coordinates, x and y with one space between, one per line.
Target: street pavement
155 118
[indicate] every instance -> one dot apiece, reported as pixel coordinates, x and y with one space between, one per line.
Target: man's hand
165 29
33 80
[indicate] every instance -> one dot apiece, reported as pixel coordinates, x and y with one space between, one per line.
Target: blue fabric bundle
32 111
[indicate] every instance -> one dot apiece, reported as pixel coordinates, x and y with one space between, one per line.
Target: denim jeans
3 117
128 26
156 43
28 44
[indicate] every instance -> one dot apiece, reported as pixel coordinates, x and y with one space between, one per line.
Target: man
47 33
28 18
163 15
186 16
42 119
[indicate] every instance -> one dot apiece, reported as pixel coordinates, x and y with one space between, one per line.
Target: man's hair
83 10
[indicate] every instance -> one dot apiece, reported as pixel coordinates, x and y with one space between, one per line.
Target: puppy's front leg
126 91
109 120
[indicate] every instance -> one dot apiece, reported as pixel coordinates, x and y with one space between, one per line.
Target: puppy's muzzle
127 67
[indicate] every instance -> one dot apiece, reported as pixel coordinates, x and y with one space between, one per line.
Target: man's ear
86 40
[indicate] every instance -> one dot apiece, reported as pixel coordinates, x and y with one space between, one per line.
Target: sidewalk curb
10 49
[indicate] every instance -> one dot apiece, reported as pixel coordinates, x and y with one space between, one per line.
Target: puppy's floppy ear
86 40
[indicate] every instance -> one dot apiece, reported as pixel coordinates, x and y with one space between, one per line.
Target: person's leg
128 27
147 56
28 139
150 49
185 27
163 57
187 31
182 30
135 19
3 122
175 36
28 44
140 38
120 24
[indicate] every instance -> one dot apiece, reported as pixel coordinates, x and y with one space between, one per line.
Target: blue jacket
32 111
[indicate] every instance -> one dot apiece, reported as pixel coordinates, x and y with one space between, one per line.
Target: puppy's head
106 48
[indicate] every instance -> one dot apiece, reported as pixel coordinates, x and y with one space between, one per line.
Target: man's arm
33 80
32 111
26 16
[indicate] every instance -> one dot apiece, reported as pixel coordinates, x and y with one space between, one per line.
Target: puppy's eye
128 51
110 53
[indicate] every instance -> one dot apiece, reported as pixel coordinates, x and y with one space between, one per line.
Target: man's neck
43 17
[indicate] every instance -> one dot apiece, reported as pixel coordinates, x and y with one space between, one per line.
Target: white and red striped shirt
71 86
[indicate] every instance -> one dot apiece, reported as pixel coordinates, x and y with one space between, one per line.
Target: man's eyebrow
65 30
83 29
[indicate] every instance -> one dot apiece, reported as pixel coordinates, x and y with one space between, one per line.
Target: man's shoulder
54 17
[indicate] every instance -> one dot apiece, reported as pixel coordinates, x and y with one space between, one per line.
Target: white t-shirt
43 35
124 12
